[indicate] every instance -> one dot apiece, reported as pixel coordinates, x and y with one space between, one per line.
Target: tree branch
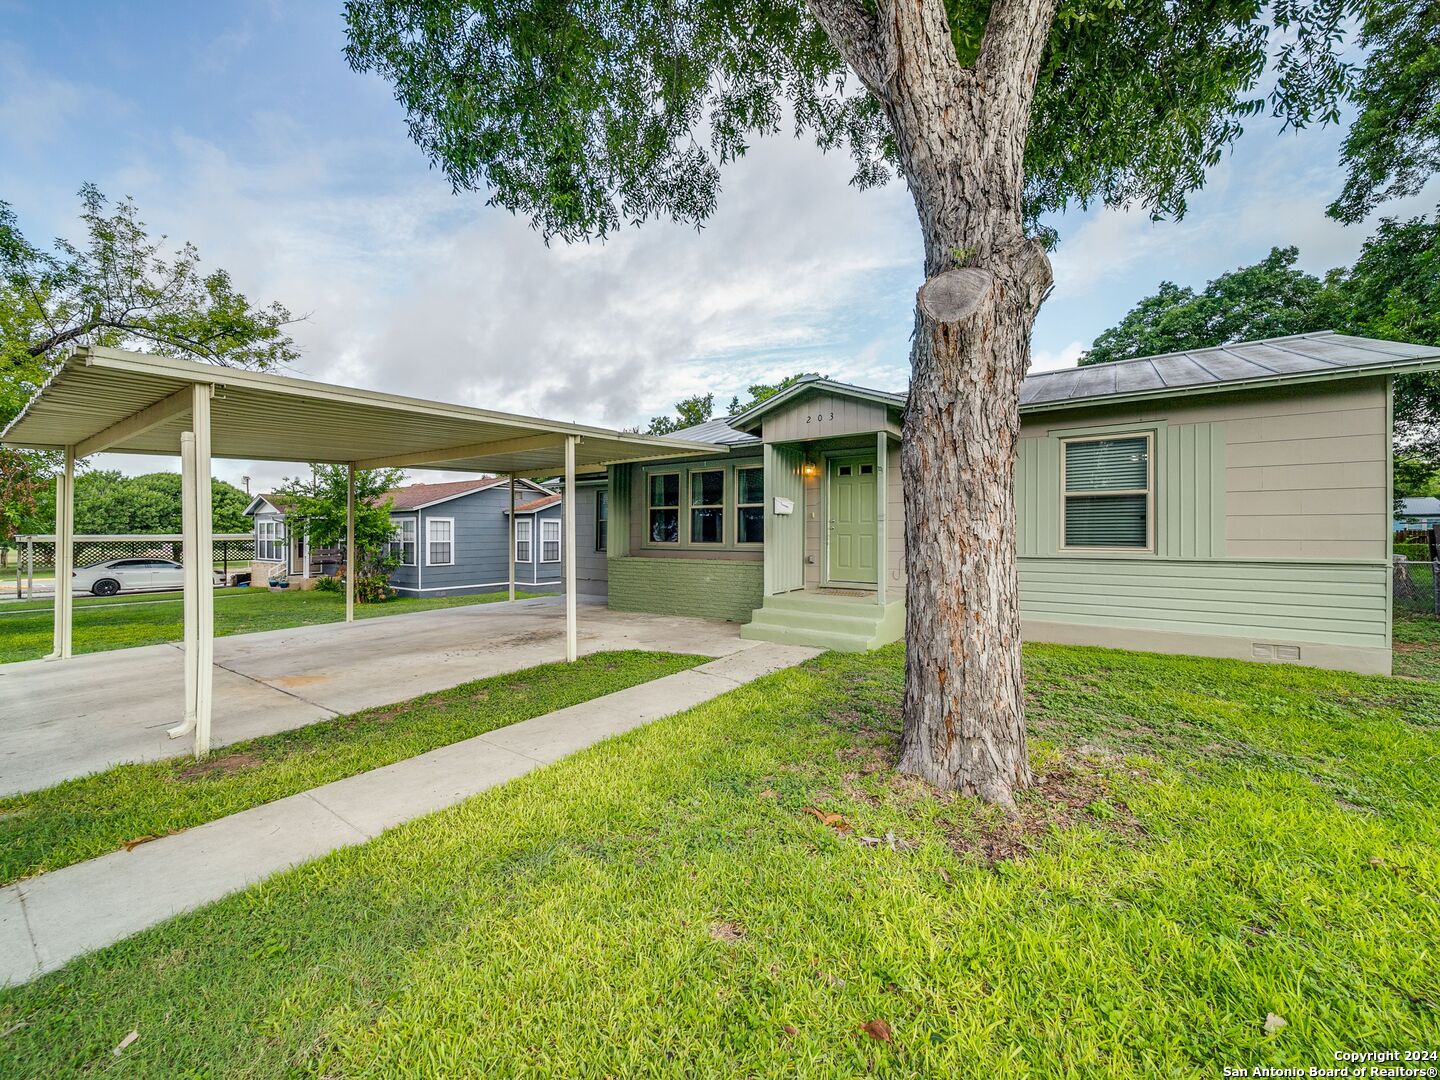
1017 31
854 30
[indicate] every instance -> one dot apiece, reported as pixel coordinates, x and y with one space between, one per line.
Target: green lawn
120 622
1215 842
83 818
1415 644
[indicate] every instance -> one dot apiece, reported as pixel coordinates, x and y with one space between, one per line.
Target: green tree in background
693 410
316 508
118 288
108 502
1393 146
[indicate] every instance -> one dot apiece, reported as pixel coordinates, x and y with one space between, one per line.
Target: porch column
510 559
568 507
350 542
882 482
64 555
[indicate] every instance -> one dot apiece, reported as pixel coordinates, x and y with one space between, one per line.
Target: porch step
843 623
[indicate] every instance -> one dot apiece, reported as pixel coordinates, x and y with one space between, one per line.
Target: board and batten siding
1271 529
823 416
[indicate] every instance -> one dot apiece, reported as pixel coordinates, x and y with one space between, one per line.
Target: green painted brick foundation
707 588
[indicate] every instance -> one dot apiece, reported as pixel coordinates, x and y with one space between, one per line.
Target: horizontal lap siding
712 589
591 566
1326 603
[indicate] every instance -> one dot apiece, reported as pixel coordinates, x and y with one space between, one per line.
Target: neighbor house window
707 506
550 541
602 519
1108 490
402 541
269 541
522 540
439 541
665 508
750 505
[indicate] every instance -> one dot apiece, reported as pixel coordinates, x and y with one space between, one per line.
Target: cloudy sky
236 124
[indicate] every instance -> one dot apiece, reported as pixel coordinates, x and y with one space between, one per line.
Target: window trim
1148 434
429 521
602 521
681 530
400 521
749 545
691 506
559 540
528 540
270 541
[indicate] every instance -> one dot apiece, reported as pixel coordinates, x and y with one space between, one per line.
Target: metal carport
102 399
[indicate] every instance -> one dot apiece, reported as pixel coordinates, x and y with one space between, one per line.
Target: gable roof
718 432
1298 358
418 496
277 502
747 419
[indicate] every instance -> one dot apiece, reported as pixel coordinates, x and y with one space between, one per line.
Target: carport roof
108 399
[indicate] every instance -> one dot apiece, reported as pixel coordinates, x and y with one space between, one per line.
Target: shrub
330 584
373 588
1413 552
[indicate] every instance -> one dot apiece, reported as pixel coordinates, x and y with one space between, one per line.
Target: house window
402 541
1108 491
550 541
665 508
270 541
707 506
602 519
750 505
439 541
522 540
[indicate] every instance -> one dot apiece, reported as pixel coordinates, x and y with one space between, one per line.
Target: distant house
1418 514
450 539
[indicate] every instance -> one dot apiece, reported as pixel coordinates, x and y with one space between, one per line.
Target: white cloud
1047 360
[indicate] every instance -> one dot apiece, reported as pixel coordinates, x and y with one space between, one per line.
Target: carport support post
189 594
64 555
199 568
568 508
511 560
350 542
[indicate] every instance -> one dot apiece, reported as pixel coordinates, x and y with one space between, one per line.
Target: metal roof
718 432
1301 357
261 416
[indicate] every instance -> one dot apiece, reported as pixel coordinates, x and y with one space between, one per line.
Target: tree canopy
701 407
588 114
316 506
107 501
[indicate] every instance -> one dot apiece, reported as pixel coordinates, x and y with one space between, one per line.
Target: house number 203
819 417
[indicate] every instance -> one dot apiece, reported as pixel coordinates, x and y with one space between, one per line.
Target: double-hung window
707 506
269 541
522 540
750 505
402 540
602 520
664 508
439 541
1108 489
550 541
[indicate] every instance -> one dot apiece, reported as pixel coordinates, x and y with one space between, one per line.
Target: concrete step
761 629
809 601
802 618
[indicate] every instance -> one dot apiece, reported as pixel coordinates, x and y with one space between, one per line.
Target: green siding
1037 495
1327 603
708 588
784 533
1190 476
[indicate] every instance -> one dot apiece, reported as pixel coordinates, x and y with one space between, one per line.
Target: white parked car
131 575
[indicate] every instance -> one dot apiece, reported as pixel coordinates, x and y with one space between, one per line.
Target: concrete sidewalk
49 920
63 719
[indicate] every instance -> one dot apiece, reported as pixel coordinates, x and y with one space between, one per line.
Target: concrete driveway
63 719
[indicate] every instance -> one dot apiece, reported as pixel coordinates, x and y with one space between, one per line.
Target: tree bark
960 136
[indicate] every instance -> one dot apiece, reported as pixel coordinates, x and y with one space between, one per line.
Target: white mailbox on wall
784 505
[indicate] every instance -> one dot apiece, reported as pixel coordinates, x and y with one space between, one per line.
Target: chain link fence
1416 574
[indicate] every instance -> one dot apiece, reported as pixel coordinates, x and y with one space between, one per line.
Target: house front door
852 547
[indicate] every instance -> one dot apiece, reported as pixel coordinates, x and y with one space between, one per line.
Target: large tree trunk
960 136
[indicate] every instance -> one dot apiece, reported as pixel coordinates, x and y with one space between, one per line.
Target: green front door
852 520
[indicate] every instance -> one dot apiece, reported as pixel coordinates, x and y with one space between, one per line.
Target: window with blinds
1108 489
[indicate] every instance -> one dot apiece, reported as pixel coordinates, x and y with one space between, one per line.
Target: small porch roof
112 400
